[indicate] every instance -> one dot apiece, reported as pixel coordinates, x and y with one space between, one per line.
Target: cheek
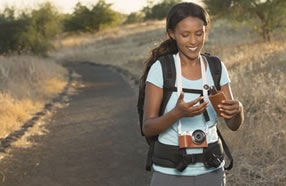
182 40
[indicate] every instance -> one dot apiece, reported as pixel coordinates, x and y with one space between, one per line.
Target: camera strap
205 86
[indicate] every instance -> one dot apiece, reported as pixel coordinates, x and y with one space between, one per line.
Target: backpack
169 79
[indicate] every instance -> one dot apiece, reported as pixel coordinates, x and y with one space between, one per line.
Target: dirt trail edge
95 141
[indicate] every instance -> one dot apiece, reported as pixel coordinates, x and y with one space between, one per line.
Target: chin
191 55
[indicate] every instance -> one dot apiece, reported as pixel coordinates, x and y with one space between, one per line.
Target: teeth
193 49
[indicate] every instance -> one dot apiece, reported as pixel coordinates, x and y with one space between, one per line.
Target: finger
228 107
228 102
195 101
202 105
200 110
181 97
230 112
224 115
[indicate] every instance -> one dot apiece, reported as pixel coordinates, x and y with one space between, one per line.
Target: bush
160 10
29 32
92 19
11 29
134 17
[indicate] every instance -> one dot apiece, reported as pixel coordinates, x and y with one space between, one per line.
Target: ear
171 34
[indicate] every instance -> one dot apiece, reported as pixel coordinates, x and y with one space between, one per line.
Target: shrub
134 17
29 32
160 10
92 19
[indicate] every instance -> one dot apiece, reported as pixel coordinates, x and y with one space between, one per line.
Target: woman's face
190 34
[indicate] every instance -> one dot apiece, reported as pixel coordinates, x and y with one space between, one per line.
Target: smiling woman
179 120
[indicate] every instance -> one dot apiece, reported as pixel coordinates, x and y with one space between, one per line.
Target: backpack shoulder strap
226 151
215 68
169 78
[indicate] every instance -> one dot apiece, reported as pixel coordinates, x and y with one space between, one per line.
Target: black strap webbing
226 151
193 91
215 68
169 76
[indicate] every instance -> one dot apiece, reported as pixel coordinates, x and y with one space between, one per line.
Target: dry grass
257 71
27 84
122 46
259 146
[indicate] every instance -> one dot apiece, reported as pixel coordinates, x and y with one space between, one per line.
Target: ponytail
168 46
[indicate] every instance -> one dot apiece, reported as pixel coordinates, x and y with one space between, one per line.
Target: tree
44 24
92 19
11 30
134 17
160 10
29 31
264 16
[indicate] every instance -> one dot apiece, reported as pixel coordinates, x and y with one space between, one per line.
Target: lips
192 49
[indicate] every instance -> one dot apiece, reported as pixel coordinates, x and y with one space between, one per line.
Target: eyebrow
187 31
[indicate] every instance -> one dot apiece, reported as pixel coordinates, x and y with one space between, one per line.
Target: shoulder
212 59
162 62
156 66
166 58
214 63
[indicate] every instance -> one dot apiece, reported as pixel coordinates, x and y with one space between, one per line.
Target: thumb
181 97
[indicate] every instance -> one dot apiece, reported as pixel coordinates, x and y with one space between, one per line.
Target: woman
187 28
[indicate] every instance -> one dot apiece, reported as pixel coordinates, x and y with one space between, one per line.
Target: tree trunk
266 34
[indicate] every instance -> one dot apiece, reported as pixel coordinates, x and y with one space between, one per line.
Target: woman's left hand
230 108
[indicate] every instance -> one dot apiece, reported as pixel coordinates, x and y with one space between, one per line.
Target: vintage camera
193 139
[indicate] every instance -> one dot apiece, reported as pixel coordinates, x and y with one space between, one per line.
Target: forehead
190 24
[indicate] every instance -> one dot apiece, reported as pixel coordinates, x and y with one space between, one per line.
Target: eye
185 35
199 33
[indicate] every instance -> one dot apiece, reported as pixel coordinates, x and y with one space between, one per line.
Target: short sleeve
224 75
155 75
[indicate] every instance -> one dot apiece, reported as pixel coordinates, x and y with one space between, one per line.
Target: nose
193 40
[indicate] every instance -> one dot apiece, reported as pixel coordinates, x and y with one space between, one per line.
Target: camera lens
198 137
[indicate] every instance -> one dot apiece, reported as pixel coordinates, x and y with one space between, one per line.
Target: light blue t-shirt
170 136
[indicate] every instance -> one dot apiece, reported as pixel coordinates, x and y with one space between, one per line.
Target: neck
185 60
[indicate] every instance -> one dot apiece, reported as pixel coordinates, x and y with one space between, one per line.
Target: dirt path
94 141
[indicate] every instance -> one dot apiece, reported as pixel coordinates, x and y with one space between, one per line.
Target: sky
66 6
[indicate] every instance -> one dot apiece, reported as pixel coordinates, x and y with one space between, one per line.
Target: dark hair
176 14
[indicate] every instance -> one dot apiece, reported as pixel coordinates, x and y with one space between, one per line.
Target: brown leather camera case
185 141
216 100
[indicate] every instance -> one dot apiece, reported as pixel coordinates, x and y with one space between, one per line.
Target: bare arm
153 124
232 109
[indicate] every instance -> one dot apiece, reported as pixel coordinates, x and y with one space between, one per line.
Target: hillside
255 68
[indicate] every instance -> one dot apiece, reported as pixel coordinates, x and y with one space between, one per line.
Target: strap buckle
189 159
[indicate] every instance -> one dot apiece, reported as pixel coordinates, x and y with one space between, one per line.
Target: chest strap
193 91
174 157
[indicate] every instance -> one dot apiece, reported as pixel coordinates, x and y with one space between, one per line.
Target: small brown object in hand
216 98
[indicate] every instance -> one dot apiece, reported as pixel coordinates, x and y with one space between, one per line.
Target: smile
193 49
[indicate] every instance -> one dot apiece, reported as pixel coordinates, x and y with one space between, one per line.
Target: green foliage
10 30
44 24
92 19
264 16
29 32
160 10
134 17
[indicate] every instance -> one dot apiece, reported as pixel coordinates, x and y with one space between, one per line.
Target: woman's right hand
188 109
153 124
